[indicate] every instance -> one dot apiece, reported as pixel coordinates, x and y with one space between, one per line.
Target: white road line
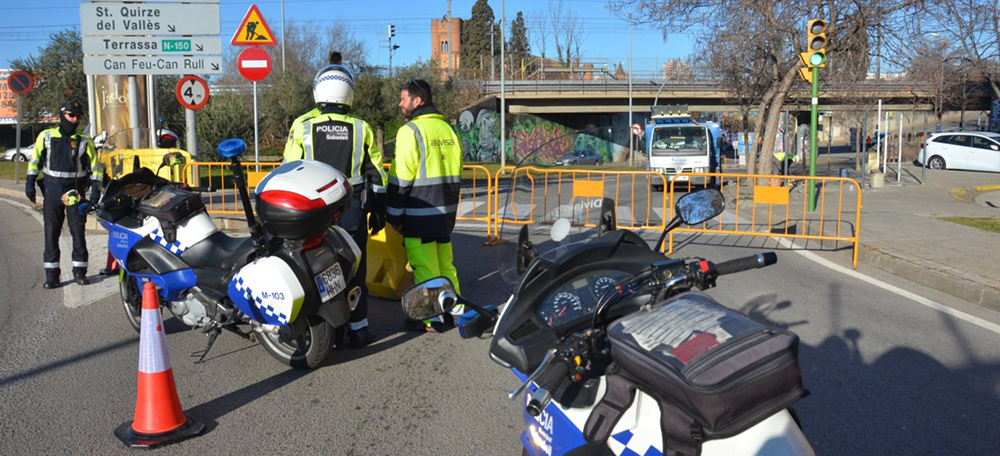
888 287
74 296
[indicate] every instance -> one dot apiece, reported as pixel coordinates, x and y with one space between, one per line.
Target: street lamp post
631 137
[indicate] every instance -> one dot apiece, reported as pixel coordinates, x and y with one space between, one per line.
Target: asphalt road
888 374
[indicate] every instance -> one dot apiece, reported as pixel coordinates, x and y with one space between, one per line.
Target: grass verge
991 224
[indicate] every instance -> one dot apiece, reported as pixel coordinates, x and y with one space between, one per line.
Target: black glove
29 190
95 193
83 208
376 221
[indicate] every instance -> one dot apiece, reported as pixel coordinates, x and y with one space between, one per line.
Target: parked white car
22 156
974 151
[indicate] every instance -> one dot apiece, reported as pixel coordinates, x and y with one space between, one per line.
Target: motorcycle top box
290 204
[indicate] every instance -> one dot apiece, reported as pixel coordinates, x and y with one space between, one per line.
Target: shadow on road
902 402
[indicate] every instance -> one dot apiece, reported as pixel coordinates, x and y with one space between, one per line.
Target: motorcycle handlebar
759 260
547 382
202 189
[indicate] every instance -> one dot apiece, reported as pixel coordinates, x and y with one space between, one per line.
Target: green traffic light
816 59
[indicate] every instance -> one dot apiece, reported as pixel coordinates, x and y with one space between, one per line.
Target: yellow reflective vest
73 166
340 140
425 177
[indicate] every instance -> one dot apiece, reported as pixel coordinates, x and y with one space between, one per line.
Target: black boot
80 276
51 279
361 338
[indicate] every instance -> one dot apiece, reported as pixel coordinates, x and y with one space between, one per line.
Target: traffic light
817 43
815 55
392 31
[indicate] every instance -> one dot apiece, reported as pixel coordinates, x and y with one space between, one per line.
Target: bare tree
975 26
539 32
567 31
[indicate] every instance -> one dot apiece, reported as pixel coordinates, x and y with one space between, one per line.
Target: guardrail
557 192
226 199
777 192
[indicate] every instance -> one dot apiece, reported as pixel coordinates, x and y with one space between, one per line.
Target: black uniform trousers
355 221
54 212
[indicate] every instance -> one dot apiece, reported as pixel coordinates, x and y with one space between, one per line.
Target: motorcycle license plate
330 282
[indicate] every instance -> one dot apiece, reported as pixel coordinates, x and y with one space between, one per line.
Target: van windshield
689 140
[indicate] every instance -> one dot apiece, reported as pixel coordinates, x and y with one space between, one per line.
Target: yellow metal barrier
226 199
477 213
777 191
552 188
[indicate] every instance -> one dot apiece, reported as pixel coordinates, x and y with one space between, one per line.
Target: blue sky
24 29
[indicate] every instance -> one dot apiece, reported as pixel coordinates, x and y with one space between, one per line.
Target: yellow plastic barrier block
388 276
763 194
120 162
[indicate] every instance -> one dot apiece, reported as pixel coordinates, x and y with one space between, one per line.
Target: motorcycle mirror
697 207
429 298
525 250
232 147
560 229
609 218
173 158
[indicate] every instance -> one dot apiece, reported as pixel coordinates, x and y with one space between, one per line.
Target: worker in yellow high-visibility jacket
424 183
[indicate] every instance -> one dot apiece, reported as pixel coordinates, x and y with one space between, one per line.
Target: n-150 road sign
152 65
152 45
107 18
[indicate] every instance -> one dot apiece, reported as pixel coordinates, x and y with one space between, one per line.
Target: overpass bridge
610 96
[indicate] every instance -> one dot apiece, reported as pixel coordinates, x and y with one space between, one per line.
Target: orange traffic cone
159 419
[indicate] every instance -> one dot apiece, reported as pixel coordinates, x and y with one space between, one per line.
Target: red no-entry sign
254 63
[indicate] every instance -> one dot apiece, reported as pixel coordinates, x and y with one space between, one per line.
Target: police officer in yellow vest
424 183
69 163
332 135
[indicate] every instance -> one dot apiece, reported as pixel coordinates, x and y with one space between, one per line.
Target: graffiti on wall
542 139
480 134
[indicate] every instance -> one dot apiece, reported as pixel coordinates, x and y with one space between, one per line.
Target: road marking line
891 288
73 296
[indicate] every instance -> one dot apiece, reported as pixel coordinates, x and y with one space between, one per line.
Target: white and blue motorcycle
620 354
285 285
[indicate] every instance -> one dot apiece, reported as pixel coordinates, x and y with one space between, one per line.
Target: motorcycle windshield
549 203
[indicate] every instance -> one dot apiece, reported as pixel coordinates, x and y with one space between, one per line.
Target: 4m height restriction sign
253 31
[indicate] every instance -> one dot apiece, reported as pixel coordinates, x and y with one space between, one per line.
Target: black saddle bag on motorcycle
171 206
714 371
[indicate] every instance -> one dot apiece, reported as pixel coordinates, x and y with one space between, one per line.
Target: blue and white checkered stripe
335 77
248 295
634 446
175 248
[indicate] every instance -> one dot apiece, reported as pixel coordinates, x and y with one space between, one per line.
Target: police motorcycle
285 285
619 352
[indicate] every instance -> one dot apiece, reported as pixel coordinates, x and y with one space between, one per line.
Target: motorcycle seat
218 251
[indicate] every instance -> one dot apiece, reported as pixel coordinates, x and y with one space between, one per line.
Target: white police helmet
334 84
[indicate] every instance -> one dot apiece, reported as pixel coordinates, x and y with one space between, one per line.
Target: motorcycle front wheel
131 299
306 350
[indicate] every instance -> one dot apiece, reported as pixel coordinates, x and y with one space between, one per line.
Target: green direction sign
176 45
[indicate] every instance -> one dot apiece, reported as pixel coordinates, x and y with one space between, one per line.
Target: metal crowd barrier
226 198
766 192
563 192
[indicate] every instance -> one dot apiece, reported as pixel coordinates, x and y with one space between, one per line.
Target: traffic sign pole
813 120
17 139
256 153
